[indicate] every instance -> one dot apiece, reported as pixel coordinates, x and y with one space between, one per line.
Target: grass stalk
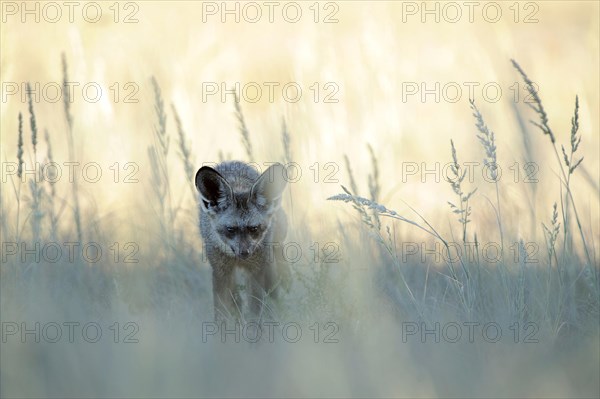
184 151
71 147
488 141
546 130
158 154
463 210
243 128
35 188
286 141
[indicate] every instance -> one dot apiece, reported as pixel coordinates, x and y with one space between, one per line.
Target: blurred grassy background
370 54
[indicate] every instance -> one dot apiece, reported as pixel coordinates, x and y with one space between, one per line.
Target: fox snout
243 250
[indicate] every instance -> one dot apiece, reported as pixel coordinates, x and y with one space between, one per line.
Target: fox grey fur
243 227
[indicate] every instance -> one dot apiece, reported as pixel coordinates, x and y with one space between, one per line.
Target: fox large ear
216 194
267 190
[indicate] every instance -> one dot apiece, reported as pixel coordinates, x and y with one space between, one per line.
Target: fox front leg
263 286
257 295
226 302
271 280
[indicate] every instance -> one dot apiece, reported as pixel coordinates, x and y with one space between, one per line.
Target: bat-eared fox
243 227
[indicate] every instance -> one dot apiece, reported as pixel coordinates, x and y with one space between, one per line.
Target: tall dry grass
354 277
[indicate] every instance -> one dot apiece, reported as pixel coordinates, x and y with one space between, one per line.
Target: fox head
240 219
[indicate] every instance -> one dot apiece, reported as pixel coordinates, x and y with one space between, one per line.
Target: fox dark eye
231 229
253 229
